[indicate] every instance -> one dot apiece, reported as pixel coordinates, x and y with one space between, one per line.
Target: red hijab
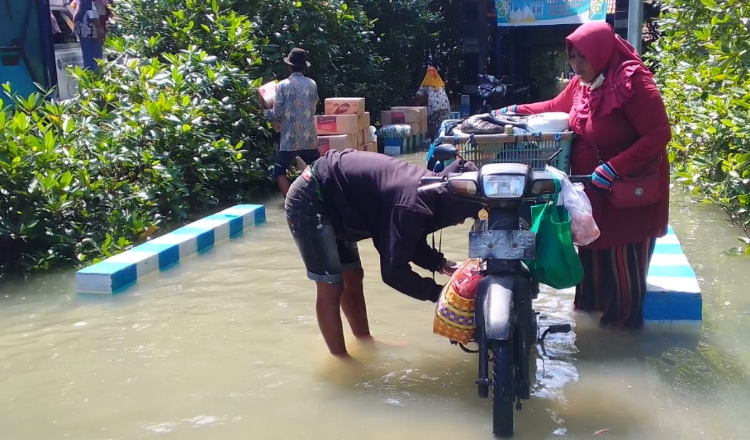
611 56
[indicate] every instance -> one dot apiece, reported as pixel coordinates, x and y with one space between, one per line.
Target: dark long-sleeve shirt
371 195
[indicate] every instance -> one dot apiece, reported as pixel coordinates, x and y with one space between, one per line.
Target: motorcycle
500 92
507 325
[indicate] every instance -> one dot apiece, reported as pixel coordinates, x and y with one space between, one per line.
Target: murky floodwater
226 346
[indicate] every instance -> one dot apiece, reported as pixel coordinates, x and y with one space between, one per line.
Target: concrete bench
673 295
120 271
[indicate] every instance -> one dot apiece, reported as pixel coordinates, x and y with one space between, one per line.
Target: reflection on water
226 346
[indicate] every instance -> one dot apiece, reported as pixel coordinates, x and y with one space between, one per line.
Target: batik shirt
437 99
294 107
83 27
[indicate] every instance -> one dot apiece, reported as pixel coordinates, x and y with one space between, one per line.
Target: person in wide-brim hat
293 110
297 58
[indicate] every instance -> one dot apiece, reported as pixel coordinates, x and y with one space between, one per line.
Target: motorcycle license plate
502 245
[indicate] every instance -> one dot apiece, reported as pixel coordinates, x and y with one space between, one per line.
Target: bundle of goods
401 131
454 314
345 124
487 123
413 117
396 138
496 138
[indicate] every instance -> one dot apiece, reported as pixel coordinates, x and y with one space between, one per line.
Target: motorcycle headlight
504 187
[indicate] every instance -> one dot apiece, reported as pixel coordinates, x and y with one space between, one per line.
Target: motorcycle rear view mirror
444 152
464 184
542 183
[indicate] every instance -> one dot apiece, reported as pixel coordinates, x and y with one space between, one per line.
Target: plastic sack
466 279
454 314
582 225
556 264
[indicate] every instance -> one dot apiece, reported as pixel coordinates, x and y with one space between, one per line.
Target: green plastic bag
557 264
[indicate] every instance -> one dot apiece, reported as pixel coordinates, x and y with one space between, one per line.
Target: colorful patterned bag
454 315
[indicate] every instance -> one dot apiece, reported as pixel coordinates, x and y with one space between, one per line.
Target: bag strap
595 146
554 198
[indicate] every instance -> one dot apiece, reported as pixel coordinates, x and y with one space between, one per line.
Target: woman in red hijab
622 130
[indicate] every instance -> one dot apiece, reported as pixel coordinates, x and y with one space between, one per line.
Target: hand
603 176
449 268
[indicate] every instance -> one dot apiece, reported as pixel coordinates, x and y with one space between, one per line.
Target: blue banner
549 12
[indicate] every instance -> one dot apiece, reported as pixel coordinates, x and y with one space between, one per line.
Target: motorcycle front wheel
502 389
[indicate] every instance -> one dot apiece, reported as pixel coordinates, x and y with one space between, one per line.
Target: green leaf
65 179
49 141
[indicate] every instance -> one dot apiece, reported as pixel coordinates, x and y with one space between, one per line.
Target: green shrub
146 143
703 68
371 48
170 128
153 139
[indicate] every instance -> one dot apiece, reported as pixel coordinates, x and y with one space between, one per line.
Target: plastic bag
454 313
466 279
582 224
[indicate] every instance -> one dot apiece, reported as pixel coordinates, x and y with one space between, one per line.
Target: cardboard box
364 121
336 142
344 106
403 116
422 121
416 128
373 146
339 124
422 111
267 93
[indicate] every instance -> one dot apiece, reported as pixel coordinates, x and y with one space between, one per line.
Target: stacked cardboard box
345 124
420 127
415 118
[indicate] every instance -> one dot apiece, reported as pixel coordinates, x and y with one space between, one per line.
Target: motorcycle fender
496 293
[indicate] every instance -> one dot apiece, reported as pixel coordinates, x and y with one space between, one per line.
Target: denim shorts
325 257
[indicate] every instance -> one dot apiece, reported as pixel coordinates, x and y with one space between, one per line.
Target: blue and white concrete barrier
118 272
673 295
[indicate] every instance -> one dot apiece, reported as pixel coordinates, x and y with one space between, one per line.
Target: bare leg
329 317
353 303
284 184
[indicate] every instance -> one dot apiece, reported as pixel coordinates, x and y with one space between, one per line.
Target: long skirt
614 282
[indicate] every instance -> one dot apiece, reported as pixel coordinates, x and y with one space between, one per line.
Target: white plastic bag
582 224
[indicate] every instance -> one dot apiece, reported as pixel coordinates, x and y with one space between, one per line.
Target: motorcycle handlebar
429 180
580 179
432 182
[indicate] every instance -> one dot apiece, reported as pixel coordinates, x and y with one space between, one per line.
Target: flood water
226 346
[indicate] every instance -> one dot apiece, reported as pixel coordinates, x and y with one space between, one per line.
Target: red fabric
630 135
606 50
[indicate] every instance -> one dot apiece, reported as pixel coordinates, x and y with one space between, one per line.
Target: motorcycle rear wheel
503 393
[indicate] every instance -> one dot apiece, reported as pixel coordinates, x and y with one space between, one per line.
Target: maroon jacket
630 137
